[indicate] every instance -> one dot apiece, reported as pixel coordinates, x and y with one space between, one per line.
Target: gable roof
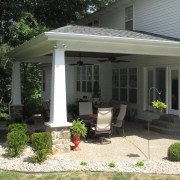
105 32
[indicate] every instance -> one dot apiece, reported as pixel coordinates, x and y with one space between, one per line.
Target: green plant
140 164
18 127
112 164
4 117
83 163
174 152
42 145
16 143
158 104
78 128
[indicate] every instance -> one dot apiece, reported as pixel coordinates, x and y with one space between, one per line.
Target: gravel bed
56 163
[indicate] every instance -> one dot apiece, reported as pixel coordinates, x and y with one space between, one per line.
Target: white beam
16 84
58 111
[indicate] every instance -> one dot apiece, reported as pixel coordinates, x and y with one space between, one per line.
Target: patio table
89 120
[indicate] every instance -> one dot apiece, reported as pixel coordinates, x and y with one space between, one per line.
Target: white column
16 84
58 111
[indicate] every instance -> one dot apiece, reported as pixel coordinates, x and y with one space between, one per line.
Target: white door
173 91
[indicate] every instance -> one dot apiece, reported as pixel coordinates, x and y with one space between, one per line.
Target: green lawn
7 175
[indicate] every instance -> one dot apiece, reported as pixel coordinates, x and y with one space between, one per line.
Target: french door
174 90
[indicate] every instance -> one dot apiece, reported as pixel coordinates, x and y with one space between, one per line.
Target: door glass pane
84 73
161 83
123 94
89 73
174 89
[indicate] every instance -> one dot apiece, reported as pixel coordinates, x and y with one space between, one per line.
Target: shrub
18 127
16 143
83 163
4 117
112 164
174 152
42 145
140 164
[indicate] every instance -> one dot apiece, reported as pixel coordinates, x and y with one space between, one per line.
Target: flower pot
76 141
159 111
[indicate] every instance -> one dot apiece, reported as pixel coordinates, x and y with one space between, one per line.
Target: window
124 85
43 80
88 79
115 84
129 18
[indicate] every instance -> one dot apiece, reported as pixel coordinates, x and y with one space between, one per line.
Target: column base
61 138
16 112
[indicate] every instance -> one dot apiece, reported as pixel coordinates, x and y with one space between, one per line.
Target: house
134 45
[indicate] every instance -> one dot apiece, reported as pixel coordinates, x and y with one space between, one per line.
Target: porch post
16 106
58 125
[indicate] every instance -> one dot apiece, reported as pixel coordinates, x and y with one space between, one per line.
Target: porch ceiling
97 40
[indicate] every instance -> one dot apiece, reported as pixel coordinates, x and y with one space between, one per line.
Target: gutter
111 39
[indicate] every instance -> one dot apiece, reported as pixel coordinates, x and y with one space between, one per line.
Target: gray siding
158 16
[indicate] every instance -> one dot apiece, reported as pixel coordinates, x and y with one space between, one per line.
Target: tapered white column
16 84
58 111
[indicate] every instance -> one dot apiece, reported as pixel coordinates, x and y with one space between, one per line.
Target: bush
140 164
18 127
112 164
16 143
42 145
17 139
174 152
4 117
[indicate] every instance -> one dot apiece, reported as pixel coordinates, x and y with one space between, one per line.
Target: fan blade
87 64
101 60
117 61
73 64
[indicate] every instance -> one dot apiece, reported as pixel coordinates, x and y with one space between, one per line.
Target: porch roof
91 39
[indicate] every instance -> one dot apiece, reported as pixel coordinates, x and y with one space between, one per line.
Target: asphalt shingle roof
86 30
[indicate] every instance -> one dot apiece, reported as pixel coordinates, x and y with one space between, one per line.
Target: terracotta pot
159 111
76 141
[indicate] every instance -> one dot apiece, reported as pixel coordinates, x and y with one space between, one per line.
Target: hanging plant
159 107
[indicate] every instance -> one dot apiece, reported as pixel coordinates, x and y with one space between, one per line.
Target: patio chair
85 108
103 125
120 119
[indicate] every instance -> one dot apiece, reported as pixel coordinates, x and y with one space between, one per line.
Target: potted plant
78 129
159 107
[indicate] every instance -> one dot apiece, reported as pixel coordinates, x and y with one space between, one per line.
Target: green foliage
159 104
18 127
140 164
4 117
16 143
112 164
42 145
83 163
78 128
174 152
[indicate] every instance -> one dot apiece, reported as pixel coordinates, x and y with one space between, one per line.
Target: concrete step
170 118
164 130
166 124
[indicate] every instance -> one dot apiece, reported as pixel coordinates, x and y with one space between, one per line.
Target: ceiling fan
80 62
112 60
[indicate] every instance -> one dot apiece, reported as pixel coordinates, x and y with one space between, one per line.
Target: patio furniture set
103 123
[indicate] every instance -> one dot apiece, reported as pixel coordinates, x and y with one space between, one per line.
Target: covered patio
74 39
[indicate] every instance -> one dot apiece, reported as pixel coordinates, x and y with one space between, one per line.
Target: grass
7 175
